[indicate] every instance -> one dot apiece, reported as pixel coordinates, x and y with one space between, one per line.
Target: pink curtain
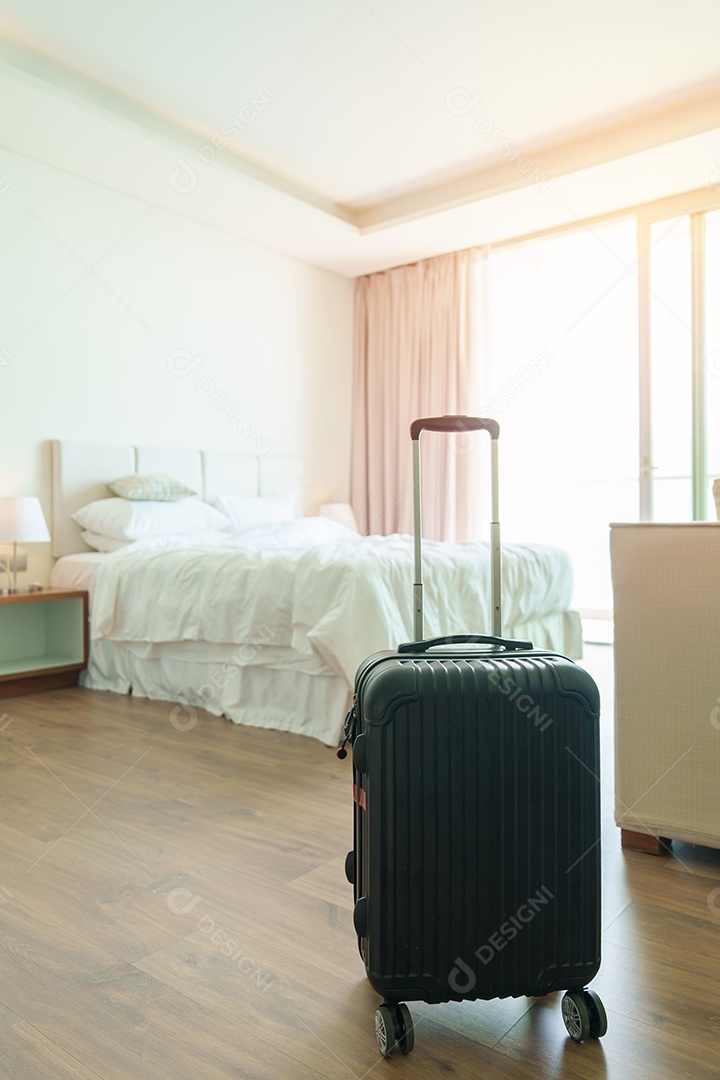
414 357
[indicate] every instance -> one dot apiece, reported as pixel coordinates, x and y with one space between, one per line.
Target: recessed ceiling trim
101 101
537 168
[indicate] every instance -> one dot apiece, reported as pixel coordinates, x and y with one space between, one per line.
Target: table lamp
21 519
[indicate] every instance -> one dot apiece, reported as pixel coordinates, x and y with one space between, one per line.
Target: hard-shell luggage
476 857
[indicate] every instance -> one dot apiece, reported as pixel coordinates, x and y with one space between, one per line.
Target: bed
267 628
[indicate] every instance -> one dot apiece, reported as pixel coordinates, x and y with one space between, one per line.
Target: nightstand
43 640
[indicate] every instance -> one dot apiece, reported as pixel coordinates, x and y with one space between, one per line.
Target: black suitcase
476 859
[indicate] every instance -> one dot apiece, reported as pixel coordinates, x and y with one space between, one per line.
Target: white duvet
315 587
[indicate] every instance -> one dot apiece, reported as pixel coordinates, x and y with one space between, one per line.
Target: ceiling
361 134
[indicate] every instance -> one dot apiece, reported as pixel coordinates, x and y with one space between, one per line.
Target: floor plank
25 1052
116 1020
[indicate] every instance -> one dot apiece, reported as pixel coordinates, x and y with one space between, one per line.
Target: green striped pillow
150 487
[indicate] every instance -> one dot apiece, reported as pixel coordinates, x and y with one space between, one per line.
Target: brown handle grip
454 423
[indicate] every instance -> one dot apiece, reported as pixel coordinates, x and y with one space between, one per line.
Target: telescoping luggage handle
459 424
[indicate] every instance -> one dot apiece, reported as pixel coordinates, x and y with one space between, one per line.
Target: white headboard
82 471
231 474
80 474
184 465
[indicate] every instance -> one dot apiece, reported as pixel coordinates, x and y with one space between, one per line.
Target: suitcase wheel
407 1039
394 1027
576 1015
598 1016
584 1015
350 867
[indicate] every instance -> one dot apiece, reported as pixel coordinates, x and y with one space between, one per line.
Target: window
712 352
601 360
671 369
561 371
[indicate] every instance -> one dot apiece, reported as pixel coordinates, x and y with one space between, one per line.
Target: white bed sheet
80 572
77 572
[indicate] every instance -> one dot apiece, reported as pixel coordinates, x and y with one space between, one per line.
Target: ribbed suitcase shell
477 824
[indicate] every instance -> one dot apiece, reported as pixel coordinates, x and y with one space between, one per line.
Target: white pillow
250 512
126 519
103 543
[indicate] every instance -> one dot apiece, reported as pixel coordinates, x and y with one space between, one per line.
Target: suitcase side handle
509 644
454 422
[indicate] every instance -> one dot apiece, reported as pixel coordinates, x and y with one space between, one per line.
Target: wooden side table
43 640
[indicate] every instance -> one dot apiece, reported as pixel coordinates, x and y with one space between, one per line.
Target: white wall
86 357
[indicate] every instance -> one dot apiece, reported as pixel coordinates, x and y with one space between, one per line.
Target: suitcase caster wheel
576 1015
394 1027
598 1016
406 1040
385 1029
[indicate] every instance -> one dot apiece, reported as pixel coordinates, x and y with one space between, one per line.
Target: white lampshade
22 521
340 512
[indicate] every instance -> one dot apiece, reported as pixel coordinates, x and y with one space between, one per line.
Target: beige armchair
666 583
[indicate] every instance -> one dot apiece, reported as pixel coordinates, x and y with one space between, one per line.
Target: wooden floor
173 905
